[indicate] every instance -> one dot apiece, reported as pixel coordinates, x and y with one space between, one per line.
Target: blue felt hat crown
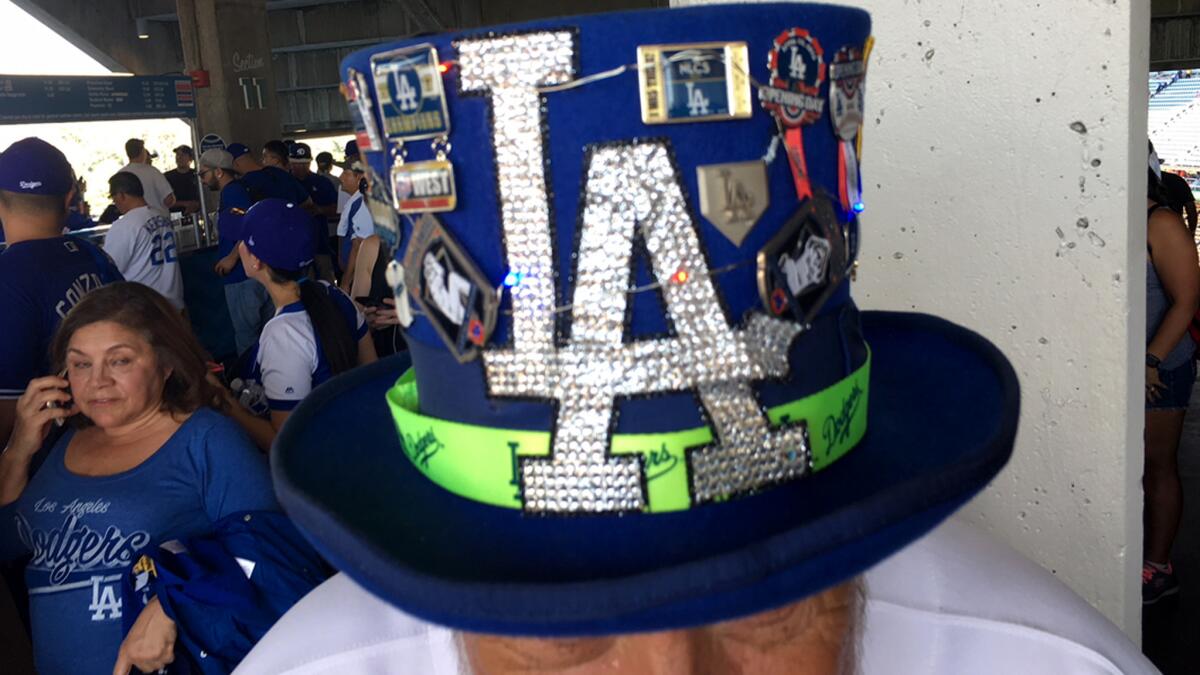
622 254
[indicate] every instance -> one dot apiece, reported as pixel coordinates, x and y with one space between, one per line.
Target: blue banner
34 99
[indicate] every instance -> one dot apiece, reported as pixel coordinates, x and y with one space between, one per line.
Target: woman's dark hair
1154 188
141 309
333 335
1154 185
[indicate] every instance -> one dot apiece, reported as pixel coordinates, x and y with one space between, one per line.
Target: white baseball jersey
953 602
155 187
142 244
356 219
288 360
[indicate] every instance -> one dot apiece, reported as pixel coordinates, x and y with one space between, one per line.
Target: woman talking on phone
146 459
316 332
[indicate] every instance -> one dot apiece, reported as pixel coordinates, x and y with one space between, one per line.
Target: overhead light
143 29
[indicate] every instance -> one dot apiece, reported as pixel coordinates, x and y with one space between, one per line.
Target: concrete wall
996 165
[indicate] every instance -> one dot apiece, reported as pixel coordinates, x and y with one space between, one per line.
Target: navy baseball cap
351 149
237 150
299 152
280 234
34 167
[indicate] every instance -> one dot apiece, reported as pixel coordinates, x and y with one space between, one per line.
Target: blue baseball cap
34 167
280 234
351 149
237 150
299 152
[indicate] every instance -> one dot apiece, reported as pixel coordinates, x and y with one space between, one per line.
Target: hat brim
942 418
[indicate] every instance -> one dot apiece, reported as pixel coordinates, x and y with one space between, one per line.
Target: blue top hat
638 394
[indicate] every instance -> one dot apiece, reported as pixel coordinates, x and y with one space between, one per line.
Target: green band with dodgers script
481 463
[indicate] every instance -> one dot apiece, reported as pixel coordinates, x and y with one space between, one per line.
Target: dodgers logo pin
801 267
846 108
694 82
412 101
362 118
449 289
733 196
797 63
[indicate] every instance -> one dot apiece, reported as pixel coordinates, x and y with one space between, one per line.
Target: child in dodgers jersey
316 332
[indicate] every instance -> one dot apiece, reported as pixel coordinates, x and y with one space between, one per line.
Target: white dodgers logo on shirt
75 555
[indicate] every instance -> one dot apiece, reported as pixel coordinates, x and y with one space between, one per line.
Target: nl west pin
793 97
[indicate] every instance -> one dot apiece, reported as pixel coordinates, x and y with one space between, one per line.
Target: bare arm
8 416
348 273
366 350
34 417
225 265
1174 256
169 201
261 431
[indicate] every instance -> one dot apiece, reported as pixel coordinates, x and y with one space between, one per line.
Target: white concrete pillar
1001 144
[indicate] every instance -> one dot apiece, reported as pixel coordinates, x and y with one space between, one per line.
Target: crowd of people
500 518
122 430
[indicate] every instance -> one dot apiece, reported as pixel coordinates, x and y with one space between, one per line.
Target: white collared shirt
952 603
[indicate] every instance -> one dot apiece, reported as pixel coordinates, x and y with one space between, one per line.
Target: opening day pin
797 64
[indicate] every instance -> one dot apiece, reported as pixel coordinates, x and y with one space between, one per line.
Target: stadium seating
1174 118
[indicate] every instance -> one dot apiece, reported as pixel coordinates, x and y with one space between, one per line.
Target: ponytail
333 335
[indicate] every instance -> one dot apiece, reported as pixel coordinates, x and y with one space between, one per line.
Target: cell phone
55 404
366 301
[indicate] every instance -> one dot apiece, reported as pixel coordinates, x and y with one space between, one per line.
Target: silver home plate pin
733 196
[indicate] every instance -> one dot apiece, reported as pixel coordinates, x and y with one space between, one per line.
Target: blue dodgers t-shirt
83 531
40 281
235 200
323 193
272 182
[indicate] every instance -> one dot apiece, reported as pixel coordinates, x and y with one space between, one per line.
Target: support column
228 38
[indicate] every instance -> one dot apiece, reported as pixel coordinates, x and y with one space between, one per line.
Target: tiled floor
1171 628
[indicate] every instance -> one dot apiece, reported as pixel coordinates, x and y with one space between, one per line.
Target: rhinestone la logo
798 69
628 188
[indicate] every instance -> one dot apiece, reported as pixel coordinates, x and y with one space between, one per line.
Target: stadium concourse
1174 122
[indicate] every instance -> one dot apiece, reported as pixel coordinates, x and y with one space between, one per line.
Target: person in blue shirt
248 303
324 195
316 333
42 273
266 181
147 460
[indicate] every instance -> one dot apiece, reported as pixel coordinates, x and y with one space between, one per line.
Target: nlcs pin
694 82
